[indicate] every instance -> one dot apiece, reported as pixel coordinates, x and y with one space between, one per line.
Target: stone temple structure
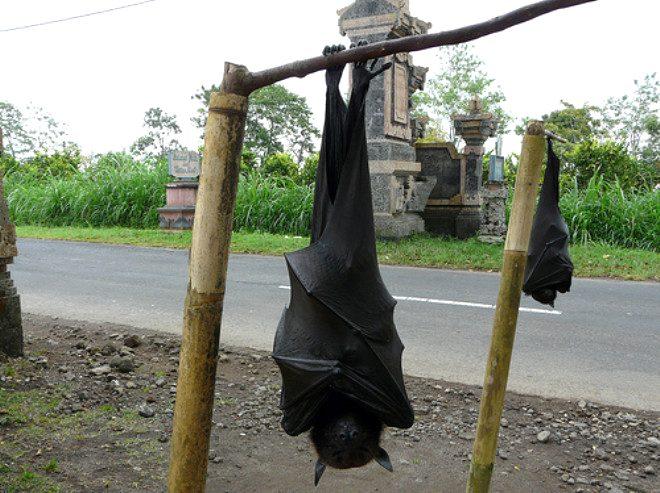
399 191
425 186
11 330
455 204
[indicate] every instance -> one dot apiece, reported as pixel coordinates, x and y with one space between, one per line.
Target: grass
28 416
591 259
127 193
26 480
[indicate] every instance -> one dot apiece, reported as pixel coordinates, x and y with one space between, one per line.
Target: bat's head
546 296
346 436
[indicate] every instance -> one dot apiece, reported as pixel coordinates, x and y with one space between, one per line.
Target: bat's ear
383 459
319 469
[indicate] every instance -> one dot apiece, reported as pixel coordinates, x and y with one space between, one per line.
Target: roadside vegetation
609 176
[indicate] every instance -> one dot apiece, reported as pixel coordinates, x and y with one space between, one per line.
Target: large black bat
549 268
336 344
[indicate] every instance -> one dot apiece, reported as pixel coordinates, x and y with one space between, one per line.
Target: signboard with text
184 165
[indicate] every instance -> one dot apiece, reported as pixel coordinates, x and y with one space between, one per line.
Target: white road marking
462 303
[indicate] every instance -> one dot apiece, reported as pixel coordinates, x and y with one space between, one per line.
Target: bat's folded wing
319 353
347 284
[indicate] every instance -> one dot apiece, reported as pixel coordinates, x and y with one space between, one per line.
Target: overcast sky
99 74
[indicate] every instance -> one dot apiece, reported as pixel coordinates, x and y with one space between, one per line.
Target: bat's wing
549 264
318 352
331 155
338 333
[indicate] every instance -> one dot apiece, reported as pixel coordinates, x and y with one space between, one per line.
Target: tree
575 124
31 131
633 120
278 121
16 139
161 137
279 164
461 76
609 160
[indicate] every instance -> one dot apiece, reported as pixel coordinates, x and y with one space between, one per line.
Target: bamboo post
506 313
209 255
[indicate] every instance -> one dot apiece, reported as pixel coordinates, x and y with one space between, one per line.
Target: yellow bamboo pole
209 255
506 313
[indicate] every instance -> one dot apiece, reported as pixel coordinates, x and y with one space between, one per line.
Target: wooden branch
246 82
556 137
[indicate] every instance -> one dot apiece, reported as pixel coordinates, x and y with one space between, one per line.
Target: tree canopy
278 121
30 131
461 76
161 136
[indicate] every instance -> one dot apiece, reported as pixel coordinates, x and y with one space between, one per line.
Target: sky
98 75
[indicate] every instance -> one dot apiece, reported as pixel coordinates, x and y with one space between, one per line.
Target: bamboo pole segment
209 255
506 313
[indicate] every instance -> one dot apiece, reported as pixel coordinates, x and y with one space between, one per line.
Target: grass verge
591 260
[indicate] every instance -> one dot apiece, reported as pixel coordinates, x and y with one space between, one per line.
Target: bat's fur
345 435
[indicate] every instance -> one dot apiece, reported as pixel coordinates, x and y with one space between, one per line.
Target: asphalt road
602 343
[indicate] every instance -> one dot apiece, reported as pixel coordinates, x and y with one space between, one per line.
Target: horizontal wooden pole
253 81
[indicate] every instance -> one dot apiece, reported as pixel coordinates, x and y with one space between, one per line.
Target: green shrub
279 164
60 164
609 160
8 163
116 160
307 175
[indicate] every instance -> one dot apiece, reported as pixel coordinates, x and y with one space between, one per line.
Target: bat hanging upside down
336 344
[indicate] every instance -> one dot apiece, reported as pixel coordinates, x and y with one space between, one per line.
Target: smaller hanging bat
549 267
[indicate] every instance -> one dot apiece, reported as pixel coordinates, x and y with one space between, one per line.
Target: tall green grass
125 193
122 193
605 212
273 205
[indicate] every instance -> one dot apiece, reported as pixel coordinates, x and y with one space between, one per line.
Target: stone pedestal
11 326
179 212
493 213
398 189
454 207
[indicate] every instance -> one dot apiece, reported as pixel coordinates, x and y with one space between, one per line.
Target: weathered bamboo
203 307
506 313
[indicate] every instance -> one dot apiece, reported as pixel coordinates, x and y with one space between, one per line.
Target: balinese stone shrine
419 187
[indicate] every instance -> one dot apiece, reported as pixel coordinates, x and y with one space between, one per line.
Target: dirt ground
89 409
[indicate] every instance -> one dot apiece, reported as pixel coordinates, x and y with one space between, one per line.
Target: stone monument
494 195
11 329
399 190
454 206
179 212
